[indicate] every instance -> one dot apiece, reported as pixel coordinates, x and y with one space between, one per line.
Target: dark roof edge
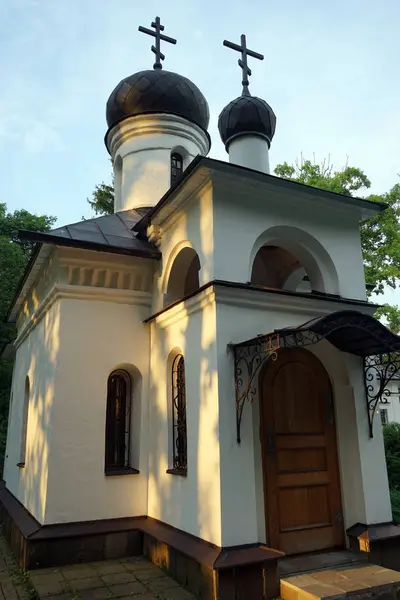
246 286
274 179
48 238
22 281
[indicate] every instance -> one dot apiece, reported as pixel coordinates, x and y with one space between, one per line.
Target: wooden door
301 476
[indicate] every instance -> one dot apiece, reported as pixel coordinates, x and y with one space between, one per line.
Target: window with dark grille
118 420
384 416
179 415
176 167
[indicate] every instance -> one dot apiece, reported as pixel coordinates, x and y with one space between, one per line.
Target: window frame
177 168
384 416
118 429
178 420
24 424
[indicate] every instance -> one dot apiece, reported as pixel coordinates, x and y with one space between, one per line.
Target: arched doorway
299 451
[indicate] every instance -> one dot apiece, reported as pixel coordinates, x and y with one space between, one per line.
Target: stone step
359 582
296 565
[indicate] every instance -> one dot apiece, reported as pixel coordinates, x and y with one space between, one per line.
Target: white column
141 148
250 151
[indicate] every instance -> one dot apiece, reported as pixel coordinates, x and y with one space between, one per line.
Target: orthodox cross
242 62
159 36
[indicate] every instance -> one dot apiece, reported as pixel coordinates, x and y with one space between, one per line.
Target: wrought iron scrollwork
248 361
179 414
379 370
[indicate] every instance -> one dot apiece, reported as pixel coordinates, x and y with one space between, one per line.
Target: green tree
380 236
102 201
14 255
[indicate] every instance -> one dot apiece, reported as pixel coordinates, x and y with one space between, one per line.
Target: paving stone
86 584
107 568
72 574
98 594
52 588
149 574
177 593
128 589
66 596
39 578
114 578
161 583
138 565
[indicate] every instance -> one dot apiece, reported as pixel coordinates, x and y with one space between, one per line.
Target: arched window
24 428
176 167
118 422
179 433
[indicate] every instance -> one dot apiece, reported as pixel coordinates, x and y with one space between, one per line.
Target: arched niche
182 277
289 258
135 416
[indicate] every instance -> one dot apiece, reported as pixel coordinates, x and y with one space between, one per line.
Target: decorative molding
265 300
186 308
154 235
155 124
74 292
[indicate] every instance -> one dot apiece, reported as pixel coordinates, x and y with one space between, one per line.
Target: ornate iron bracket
379 370
249 358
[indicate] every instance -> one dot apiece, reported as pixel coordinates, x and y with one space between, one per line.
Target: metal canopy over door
301 476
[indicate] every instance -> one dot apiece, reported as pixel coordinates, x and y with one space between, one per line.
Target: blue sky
330 73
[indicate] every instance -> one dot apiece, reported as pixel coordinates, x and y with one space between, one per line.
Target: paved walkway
133 578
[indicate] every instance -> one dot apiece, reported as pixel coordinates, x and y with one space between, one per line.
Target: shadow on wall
190 503
30 422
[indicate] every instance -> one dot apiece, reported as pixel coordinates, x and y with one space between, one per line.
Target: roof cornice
365 208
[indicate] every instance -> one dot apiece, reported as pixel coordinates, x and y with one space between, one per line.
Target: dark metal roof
246 115
110 233
157 91
350 331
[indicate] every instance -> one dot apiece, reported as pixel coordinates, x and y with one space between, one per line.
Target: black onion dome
246 115
157 91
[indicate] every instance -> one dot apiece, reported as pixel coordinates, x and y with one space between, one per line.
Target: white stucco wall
141 147
240 316
97 337
193 227
38 358
190 503
246 218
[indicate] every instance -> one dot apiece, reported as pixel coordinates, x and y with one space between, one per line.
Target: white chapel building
192 374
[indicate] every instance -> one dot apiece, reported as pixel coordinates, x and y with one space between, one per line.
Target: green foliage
391 436
347 182
103 199
380 236
391 433
14 255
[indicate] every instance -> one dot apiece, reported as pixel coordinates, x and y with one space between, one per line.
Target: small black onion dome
246 115
157 91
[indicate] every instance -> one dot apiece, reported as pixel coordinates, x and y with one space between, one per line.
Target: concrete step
296 565
358 582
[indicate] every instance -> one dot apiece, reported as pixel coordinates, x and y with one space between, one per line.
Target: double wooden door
301 476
